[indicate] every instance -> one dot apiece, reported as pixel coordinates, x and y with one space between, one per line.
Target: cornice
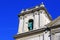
36 31
35 9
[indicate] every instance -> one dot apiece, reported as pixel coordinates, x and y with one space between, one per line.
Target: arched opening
30 24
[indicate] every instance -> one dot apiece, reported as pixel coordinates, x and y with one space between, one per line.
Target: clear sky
9 9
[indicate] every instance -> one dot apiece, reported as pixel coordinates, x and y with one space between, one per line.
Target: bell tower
33 19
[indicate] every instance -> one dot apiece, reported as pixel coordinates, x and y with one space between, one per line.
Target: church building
37 24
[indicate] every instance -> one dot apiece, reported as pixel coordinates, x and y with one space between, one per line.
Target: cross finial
42 5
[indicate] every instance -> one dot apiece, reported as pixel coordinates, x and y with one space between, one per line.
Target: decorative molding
35 31
29 33
33 10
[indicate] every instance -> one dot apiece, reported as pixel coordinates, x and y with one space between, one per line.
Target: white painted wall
56 36
20 28
23 24
28 17
43 19
36 20
46 35
40 20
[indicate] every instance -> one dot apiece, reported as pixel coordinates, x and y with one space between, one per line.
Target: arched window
30 24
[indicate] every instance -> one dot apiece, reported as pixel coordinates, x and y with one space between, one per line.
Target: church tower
33 19
32 22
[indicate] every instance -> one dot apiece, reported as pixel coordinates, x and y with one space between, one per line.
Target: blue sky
9 9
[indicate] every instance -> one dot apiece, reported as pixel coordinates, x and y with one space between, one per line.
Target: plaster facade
40 20
43 27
